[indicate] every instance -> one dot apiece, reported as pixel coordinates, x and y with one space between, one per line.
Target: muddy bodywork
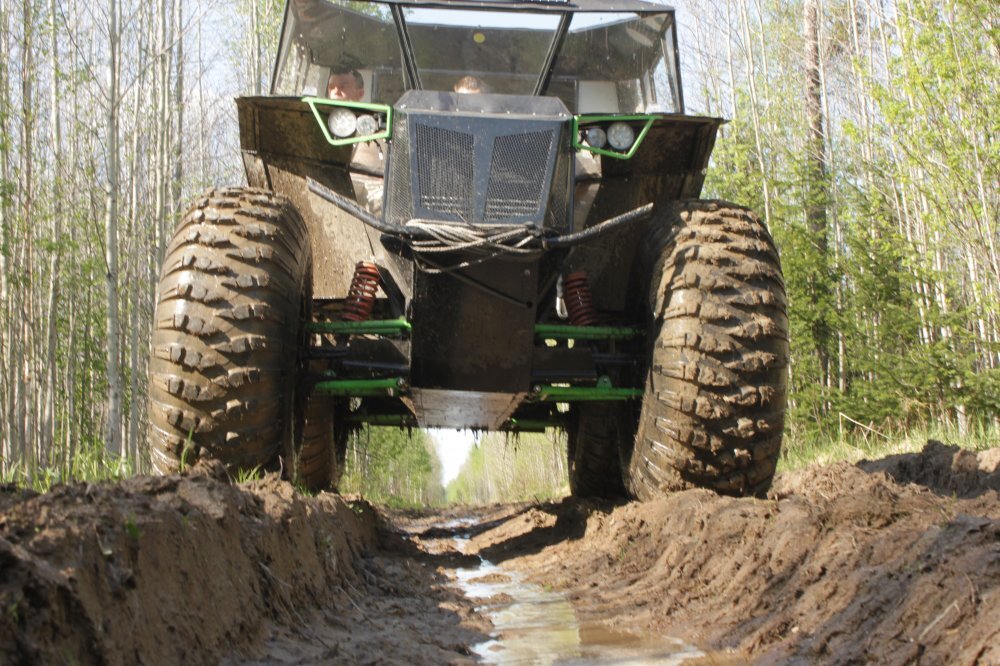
283 146
473 332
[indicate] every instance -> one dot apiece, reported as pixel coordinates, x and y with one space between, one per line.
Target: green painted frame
579 121
372 326
569 332
361 387
315 102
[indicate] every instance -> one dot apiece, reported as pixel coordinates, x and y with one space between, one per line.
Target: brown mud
891 561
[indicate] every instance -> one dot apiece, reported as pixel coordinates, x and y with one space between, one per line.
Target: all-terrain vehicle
475 214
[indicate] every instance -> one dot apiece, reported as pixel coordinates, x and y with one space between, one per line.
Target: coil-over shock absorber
579 300
361 295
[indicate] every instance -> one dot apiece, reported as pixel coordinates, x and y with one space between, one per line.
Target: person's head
470 85
347 85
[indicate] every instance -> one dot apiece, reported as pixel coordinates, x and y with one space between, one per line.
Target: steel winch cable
493 239
450 237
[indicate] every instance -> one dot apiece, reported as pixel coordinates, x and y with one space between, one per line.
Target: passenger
471 85
347 85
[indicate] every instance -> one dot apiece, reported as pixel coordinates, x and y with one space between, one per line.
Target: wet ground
535 624
890 561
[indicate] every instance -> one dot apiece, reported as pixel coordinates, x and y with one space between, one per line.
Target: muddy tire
319 462
596 434
714 404
233 294
314 461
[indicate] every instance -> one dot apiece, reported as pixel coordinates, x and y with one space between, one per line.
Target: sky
453 448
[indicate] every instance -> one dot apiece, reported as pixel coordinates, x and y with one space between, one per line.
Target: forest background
865 132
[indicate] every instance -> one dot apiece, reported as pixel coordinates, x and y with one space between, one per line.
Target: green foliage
734 174
132 529
892 319
504 468
394 467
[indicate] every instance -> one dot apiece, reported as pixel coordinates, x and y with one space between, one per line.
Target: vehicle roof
639 6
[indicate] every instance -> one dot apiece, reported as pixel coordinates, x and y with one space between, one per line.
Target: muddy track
892 561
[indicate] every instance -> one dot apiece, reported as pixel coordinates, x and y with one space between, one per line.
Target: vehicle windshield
505 51
620 63
323 41
607 62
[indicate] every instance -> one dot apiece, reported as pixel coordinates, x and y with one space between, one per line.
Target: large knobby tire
596 436
714 404
320 459
313 462
233 294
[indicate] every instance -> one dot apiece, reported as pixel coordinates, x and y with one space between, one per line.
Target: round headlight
367 125
342 122
596 137
621 135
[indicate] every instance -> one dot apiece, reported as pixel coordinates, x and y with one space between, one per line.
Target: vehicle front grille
518 169
444 170
479 160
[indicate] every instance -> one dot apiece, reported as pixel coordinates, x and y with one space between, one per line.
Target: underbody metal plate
439 408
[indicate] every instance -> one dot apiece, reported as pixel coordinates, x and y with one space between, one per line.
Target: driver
347 85
470 85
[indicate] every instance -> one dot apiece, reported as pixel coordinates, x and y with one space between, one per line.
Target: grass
869 444
92 463
244 476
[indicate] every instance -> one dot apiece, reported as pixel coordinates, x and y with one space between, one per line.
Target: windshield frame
411 73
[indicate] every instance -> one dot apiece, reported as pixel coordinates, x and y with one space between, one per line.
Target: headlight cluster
344 123
347 123
619 135
616 136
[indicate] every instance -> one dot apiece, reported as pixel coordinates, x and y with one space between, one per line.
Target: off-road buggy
531 256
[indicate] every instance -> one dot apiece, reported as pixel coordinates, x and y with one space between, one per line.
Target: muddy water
534 625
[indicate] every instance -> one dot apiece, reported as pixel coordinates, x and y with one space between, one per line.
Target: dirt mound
192 570
845 564
947 470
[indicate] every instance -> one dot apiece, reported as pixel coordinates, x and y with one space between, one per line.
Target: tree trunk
178 147
114 437
6 239
25 380
48 418
816 195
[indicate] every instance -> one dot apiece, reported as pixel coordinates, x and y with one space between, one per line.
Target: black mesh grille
400 208
444 170
557 215
517 175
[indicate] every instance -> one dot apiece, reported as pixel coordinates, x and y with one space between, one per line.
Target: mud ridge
196 570
892 562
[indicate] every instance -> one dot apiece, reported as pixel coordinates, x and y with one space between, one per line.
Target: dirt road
892 561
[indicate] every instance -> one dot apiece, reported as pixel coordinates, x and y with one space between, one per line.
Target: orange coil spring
361 295
579 300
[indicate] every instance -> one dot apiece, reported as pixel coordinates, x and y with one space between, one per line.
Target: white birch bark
114 424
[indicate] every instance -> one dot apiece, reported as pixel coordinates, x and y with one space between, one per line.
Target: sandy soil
891 561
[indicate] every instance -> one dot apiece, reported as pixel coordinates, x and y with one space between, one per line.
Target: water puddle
533 625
